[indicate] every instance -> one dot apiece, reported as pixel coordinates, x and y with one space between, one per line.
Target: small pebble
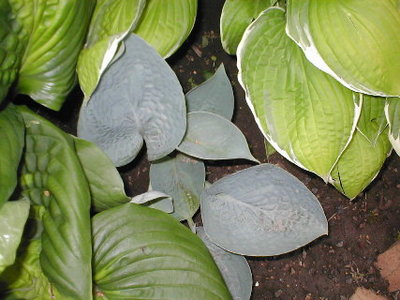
339 244
278 293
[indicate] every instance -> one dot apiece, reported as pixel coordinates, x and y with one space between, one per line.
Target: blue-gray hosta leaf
392 112
214 95
183 179
234 268
155 199
139 97
261 211
212 137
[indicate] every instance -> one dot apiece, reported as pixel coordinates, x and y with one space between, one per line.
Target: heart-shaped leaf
142 253
13 216
52 177
12 132
214 95
139 97
183 179
111 22
261 211
305 114
105 183
234 268
236 15
357 42
225 142
54 33
166 27
392 111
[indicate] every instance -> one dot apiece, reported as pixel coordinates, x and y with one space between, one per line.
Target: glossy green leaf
142 253
392 110
214 95
12 143
111 22
306 115
234 268
261 211
105 183
10 48
364 157
52 177
236 15
183 179
139 97
225 142
54 33
357 42
166 27
13 216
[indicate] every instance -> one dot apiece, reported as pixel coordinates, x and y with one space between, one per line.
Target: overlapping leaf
139 97
111 22
261 211
142 253
54 33
392 110
305 114
357 42
166 27
11 147
53 178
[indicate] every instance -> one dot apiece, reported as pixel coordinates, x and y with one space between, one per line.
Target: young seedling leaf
214 95
54 33
183 179
356 42
139 97
364 157
143 253
166 27
304 113
261 211
235 17
13 216
234 268
392 112
111 22
212 137
12 131
105 183
52 177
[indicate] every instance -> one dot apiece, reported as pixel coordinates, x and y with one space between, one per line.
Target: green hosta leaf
53 177
183 179
235 17
364 157
111 22
392 110
357 42
234 268
210 136
54 32
214 95
305 114
261 211
11 146
139 97
166 27
10 48
13 216
105 183
142 253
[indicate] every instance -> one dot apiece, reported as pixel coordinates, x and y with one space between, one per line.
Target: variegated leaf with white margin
392 111
357 42
139 97
305 114
261 211
366 153
233 267
111 22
